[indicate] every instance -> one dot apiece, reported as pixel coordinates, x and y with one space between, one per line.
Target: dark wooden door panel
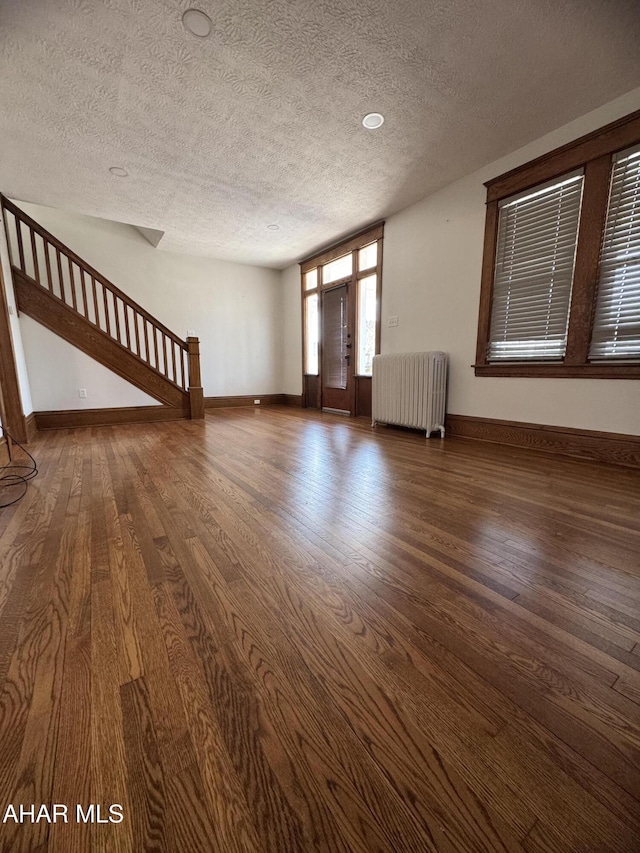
336 349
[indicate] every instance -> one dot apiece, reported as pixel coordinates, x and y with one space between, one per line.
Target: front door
337 371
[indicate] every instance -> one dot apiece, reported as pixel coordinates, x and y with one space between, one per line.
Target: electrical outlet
191 333
392 321
256 402
82 393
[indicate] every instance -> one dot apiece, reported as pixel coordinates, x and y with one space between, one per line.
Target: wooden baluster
137 332
83 285
155 346
74 300
34 252
47 261
105 299
145 324
127 333
95 301
20 244
117 315
165 355
173 361
182 383
145 331
196 398
60 277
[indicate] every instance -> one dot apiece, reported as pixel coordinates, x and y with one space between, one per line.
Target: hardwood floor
277 630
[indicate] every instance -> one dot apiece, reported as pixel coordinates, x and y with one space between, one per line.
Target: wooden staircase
59 290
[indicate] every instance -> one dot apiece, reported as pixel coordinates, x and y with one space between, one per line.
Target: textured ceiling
260 122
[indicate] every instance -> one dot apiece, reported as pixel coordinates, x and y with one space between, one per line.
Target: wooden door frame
312 383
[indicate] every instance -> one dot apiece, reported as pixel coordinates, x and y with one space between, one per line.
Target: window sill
560 371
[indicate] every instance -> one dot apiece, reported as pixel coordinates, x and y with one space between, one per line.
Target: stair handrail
58 244
187 357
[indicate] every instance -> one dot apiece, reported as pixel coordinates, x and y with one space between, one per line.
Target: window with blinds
560 286
534 264
616 326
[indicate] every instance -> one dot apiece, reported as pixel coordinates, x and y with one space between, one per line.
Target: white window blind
616 327
535 258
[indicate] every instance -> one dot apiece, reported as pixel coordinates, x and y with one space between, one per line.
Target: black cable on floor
9 476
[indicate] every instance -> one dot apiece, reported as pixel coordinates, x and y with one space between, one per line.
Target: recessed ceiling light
119 172
197 23
373 120
273 227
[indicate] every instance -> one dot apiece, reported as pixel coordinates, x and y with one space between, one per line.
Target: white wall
52 391
292 331
431 282
248 318
235 309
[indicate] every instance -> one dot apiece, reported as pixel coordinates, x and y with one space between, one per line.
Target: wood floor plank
449 572
412 766
169 717
410 558
631 691
102 498
191 821
361 622
13 613
609 728
594 706
427 709
486 782
108 769
239 725
238 600
23 539
321 747
292 761
29 702
144 771
279 630
72 783
233 827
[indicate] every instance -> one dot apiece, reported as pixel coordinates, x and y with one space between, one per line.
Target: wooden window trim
337 250
593 152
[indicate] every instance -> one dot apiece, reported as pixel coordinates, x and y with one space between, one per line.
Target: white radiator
410 389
